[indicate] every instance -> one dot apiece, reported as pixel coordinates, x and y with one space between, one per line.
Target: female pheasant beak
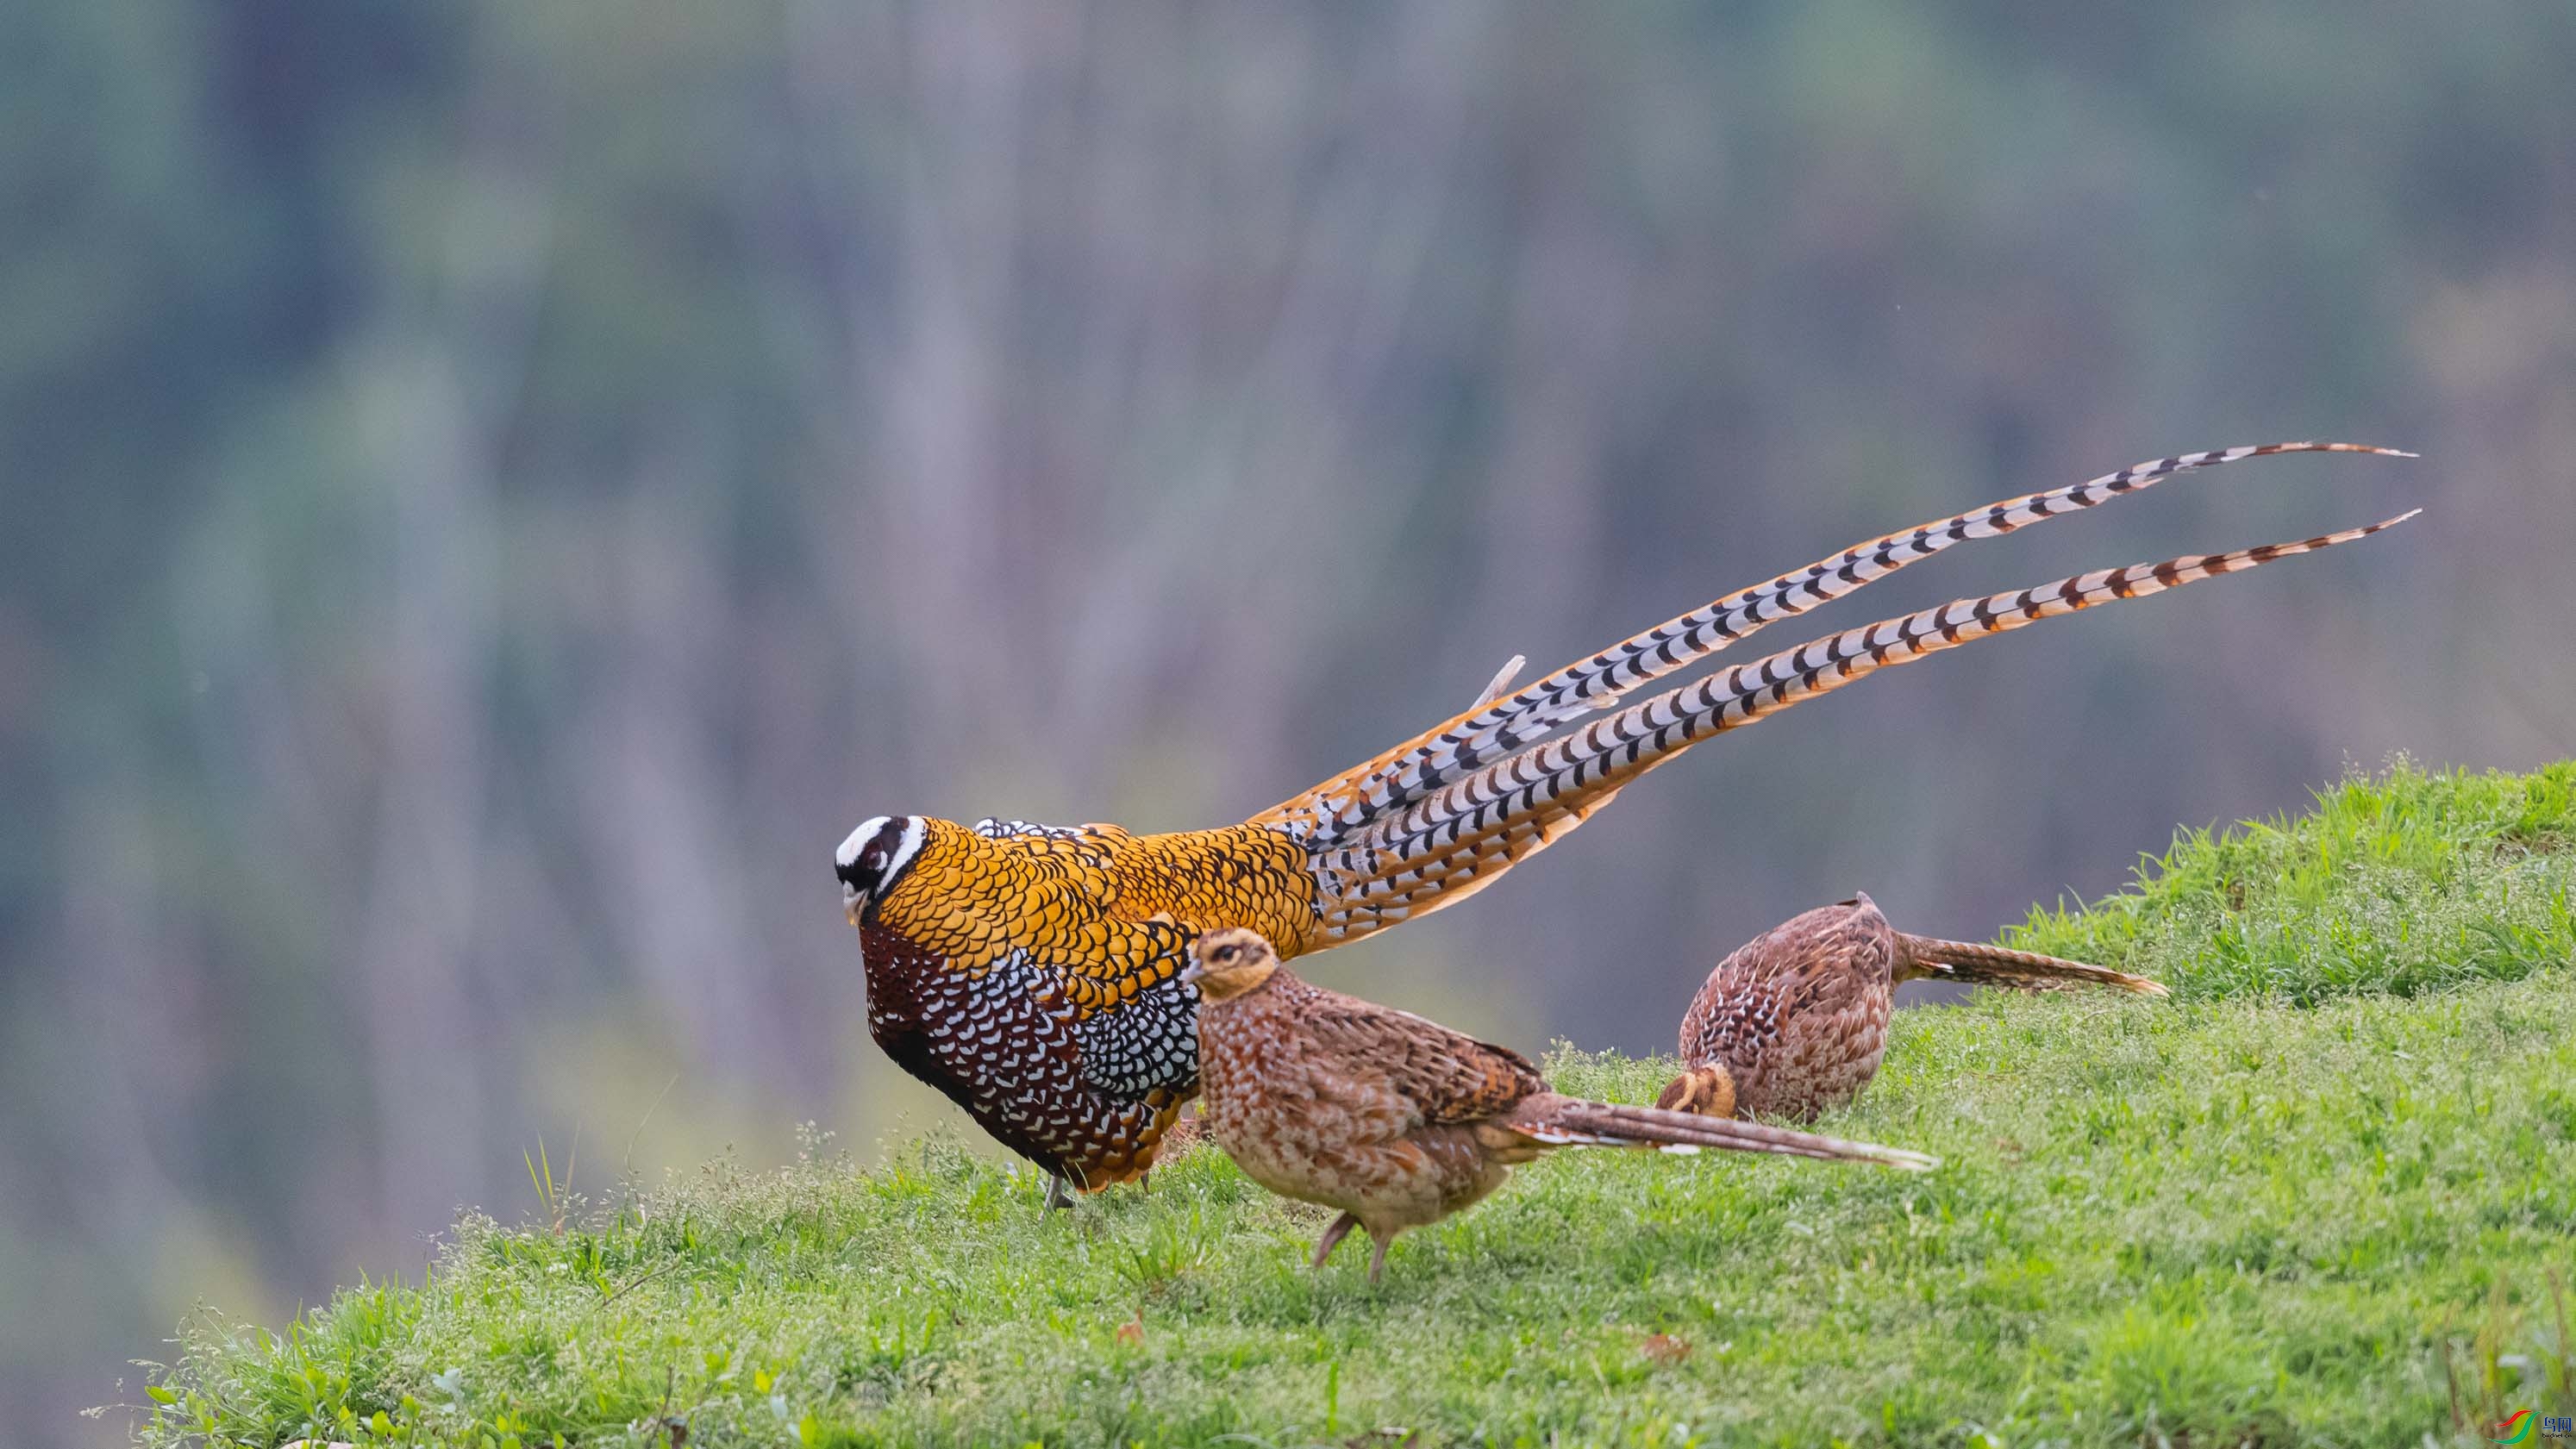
1225 964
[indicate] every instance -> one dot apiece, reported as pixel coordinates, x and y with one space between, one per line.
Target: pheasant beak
1191 973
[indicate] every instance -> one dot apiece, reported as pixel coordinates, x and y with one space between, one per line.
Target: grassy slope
2290 1206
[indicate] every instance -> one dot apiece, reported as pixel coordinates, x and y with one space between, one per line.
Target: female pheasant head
1225 964
873 858
1707 1090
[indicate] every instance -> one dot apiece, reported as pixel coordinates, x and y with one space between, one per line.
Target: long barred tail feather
1571 1121
1502 680
1459 838
1498 724
1931 958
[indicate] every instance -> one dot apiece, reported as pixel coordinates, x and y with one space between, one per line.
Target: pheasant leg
1059 1192
1332 1238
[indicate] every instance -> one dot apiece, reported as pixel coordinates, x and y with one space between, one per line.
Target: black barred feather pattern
1458 837
1495 726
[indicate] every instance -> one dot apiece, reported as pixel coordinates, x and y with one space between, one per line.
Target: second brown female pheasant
1399 1121
1030 972
1795 1020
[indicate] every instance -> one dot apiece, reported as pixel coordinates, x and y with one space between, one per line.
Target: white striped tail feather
1571 1121
1460 836
1495 726
1555 1138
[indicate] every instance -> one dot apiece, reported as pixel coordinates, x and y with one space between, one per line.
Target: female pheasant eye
1225 953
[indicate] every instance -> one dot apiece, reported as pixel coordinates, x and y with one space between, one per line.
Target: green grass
2404 884
2327 1195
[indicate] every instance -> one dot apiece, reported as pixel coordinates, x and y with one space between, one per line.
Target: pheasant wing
1447 1075
1813 962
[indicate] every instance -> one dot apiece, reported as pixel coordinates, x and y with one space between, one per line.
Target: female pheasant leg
1333 1238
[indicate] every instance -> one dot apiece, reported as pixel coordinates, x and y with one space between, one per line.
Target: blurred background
494 492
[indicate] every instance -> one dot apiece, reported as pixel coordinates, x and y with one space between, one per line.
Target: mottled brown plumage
1795 1021
1398 1121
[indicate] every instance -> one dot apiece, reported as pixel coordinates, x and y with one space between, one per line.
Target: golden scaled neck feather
1103 901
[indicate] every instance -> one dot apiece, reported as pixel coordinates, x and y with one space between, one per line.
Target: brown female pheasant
1031 972
1399 1121
1795 1020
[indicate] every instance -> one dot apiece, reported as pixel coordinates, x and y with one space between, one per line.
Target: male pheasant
1399 1121
1030 972
1795 1020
